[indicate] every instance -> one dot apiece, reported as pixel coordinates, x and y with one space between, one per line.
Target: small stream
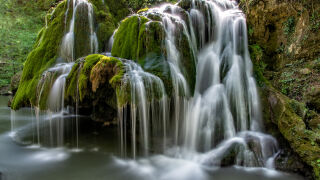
98 157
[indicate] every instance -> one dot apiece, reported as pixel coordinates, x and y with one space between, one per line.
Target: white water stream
219 124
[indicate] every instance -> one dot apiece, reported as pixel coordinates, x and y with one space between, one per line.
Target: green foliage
256 52
286 82
42 57
250 31
19 24
315 21
289 26
256 55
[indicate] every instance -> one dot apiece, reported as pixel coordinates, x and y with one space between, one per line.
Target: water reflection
97 158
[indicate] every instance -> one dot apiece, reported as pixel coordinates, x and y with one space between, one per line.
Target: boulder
313 99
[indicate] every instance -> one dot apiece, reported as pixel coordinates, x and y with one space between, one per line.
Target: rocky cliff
284 44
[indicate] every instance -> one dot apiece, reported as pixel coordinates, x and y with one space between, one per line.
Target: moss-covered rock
142 38
90 73
313 99
283 29
127 37
92 83
107 70
42 57
82 32
285 114
45 52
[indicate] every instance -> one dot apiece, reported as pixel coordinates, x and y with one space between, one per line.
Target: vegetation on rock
142 39
283 50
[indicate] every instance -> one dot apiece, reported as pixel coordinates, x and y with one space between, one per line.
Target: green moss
81 32
115 81
143 10
84 76
289 26
294 130
104 32
150 40
143 40
126 39
72 82
188 64
41 58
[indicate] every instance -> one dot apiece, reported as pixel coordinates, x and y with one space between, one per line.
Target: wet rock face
82 31
282 38
288 161
281 116
313 99
283 29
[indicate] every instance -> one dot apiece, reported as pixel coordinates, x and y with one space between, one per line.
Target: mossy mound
45 52
92 83
43 56
91 73
141 38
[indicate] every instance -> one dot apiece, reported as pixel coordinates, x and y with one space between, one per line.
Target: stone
313 99
305 71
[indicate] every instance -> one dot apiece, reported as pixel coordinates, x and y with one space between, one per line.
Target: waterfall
223 118
79 40
57 91
81 35
147 103
50 124
218 122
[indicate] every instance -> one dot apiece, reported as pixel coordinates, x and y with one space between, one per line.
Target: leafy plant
20 22
289 26
315 21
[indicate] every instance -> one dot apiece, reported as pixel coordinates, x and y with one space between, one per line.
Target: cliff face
284 43
285 30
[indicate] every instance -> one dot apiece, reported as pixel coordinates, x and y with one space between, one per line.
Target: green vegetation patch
20 22
42 57
91 73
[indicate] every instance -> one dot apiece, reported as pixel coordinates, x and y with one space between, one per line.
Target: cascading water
194 129
148 100
73 47
79 40
50 124
223 118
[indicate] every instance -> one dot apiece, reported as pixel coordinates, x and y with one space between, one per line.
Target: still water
97 157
